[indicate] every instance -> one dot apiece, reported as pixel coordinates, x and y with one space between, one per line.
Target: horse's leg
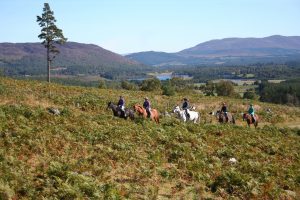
195 120
255 124
156 119
248 122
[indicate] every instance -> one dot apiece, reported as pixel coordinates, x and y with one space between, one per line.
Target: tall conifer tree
50 35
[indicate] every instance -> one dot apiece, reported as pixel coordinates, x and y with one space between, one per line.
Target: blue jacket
121 102
185 105
146 104
224 109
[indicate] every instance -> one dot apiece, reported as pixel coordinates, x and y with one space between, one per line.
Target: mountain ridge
228 50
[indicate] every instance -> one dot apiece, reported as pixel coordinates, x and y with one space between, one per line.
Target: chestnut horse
248 118
142 111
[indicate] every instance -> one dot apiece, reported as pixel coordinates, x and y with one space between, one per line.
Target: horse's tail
156 117
198 117
233 119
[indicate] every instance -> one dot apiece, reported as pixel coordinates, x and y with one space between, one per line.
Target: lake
164 76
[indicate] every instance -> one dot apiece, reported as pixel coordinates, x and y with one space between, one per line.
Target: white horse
194 116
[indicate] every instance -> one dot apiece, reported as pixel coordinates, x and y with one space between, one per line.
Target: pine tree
50 35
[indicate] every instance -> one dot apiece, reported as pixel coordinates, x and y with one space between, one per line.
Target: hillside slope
74 58
229 51
86 153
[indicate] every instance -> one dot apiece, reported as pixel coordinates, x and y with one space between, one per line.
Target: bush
225 88
5 191
128 86
168 89
151 85
250 94
209 89
102 84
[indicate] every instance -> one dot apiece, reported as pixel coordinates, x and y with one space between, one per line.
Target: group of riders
185 106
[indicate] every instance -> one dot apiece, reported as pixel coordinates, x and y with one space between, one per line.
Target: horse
194 116
222 118
142 112
249 119
118 113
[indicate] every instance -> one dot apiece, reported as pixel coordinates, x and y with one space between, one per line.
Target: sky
127 26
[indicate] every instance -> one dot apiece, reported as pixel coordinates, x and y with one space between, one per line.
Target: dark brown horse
222 118
118 112
249 119
142 111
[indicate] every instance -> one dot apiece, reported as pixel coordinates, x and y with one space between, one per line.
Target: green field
86 153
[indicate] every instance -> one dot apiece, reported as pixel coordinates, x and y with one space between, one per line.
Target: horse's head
109 105
218 113
244 116
138 108
176 109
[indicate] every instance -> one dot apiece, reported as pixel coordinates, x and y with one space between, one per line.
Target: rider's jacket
121 102
251 110
146 104
224 109
185 105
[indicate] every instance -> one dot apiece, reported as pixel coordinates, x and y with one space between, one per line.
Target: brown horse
142 111
249 119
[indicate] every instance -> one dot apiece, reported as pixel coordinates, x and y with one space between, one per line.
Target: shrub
102 84
151 85
6 192
250 94
168 89
230 181
225 88
128 86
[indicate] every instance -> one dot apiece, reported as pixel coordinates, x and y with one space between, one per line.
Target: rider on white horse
185 107
194 116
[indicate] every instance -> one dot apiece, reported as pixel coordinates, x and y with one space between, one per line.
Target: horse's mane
139 106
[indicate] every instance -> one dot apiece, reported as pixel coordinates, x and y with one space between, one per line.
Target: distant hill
74 58
229 50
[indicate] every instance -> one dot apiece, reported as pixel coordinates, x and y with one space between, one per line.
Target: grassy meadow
86 153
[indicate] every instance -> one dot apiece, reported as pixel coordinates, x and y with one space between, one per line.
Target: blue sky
126 26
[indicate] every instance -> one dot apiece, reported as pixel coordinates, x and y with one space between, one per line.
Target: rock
291 193
54 111
232 160
166 114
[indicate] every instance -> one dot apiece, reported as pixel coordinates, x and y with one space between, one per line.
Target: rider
146 105
121 105
186 106
251 112
224 110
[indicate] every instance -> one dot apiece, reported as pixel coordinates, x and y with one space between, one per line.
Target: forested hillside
75 58
85 152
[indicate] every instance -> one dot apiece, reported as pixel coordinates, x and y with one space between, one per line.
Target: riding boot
148 114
